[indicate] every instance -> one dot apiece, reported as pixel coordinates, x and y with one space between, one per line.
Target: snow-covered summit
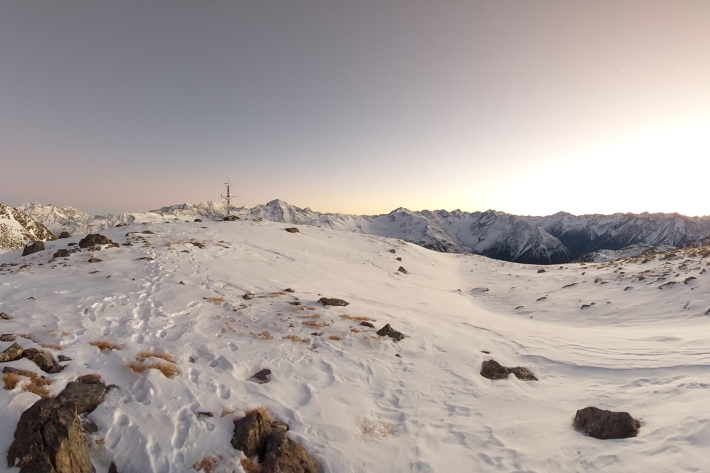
553 239
17 229
221 301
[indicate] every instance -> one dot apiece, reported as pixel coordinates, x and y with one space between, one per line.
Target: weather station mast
228 198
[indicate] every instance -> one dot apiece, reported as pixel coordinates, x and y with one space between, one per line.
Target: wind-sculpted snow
180 317
553 239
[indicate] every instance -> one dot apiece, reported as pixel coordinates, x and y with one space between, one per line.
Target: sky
528 107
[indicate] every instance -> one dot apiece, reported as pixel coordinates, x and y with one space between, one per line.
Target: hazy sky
529 107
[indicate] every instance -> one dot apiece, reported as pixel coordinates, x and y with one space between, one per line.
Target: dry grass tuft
50 346
261 410
215 300
334 337
263 335
105 345
168 370
359 318
250 466
36 385
26 336
11 380
149 354
313 323
208 464
294 338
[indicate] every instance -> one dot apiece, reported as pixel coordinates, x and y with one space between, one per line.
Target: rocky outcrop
49 436
95 239
17 229
257 435
333 302
33 247
388 331
491 369
603 424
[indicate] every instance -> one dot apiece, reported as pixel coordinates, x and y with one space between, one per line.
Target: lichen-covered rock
49 439
603 424
42 359
86 393
285 455
251 433
11 353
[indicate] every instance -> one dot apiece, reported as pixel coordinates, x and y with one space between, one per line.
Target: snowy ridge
17 229
554 239
629 335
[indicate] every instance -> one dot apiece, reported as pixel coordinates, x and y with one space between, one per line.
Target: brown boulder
7 337
61 254
4 316
603 424
388 331
491 369
33 247
42 359
285 455
49 439
94 239
333 302
64 235
292 230
251 433
402 270
262 377
12 353
86 393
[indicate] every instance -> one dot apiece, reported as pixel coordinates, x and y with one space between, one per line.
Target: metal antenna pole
228 198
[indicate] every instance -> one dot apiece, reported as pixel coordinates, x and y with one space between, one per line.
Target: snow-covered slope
617 336
554 239
17 229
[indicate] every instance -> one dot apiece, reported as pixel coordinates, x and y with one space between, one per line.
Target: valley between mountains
214 302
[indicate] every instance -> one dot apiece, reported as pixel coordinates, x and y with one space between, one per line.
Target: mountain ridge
555 239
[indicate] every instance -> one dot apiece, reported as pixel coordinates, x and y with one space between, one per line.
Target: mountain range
554 239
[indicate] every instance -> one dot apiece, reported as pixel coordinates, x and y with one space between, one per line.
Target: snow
354 404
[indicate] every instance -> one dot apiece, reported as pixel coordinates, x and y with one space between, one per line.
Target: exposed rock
333 302
367 324
292 230
12 353
33 247
61 254
285 455
603 424
491 369
402 270
95 260
388 331
95 239
251 433
147 232
541 270
198 220
86 393
257 435
64 235
146 258
112 468
49 439
49 436
63 358
687 280
392 250
230 218
42 360
398 258
7 337
262 377
4 316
